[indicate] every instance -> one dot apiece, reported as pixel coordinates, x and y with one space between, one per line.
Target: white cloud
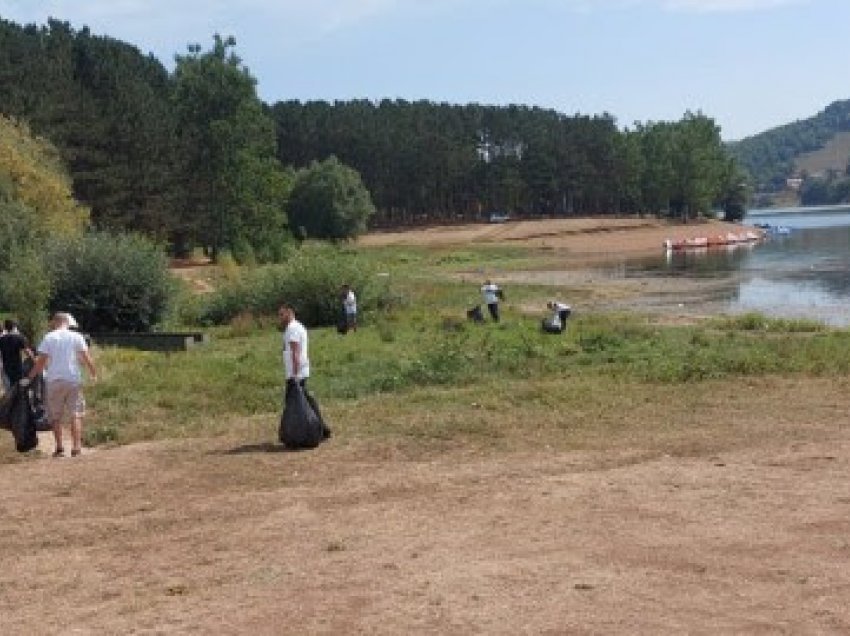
310 18
698 6
161 24
324 14
166 26
710 6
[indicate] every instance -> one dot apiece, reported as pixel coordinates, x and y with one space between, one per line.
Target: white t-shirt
557 308
489 292
350 302
295 332
62 347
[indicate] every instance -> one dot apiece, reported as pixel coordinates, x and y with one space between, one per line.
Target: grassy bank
371 382
422 375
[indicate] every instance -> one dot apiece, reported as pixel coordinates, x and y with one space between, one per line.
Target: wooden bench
152 341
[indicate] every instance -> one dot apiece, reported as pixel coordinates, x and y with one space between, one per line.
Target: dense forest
425 161
769 157
193 158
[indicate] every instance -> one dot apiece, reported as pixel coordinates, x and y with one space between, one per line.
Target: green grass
418 357
420 373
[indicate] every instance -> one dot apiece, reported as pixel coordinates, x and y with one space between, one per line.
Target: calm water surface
805 274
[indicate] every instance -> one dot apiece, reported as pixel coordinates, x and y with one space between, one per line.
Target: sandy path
226 537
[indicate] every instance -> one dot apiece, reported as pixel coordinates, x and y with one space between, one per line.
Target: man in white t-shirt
492 294
558 321
296 360
349 307
59 355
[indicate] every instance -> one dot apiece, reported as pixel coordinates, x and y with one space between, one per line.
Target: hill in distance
787 162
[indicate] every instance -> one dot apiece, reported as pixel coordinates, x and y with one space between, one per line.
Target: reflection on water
805 274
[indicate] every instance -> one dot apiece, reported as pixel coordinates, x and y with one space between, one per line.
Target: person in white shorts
59 355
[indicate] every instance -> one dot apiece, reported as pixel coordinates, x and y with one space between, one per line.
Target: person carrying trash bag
18 415
301 425
61 353
557 322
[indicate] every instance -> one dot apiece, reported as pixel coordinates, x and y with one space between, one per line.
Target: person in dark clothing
13 346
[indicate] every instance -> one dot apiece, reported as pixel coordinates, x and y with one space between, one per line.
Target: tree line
192 158
426 162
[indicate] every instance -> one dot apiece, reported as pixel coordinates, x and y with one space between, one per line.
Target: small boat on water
730 238
781 230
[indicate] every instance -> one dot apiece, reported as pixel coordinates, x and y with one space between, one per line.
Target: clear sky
749 64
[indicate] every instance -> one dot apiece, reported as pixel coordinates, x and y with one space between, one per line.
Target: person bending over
557 322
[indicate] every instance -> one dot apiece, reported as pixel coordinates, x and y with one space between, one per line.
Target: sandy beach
580 258
590 239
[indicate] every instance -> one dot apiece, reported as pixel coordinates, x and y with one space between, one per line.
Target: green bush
25 290
110 282
329 201
310 281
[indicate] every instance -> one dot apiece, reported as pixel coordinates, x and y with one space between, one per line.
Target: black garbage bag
300 426
342 322
550 326
37 395
475 314
17 416
39 415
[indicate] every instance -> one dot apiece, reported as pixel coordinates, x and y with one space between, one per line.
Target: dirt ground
732 517
738 526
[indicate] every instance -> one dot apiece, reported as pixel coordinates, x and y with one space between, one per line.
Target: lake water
805 274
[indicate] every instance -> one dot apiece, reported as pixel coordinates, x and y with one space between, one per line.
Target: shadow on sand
262 447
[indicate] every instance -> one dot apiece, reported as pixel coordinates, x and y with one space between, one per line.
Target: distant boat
730 238
774 229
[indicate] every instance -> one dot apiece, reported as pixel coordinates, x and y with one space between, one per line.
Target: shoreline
590 239
576 256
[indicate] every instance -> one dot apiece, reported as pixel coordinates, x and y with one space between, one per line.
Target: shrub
329 201
32 174
110 282
310 281
754 321
25 289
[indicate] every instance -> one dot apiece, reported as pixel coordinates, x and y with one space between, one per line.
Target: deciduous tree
329 201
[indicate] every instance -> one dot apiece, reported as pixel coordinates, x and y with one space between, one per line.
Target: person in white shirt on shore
60 355
349 307
296 361
492 295
557 322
